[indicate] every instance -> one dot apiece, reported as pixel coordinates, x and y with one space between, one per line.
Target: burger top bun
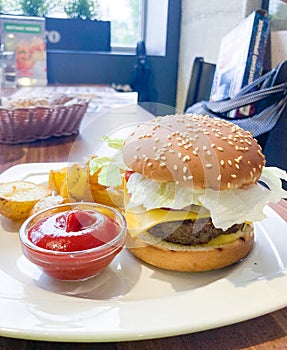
194 151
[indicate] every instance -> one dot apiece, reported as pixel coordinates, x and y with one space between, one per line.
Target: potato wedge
47 202
77 184
56 179
17 198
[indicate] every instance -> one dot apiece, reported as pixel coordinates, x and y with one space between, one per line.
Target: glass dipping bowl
73 265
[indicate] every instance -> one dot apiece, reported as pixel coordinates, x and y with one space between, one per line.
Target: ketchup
128 173
73 230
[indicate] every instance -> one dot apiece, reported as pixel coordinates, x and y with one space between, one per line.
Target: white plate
130 300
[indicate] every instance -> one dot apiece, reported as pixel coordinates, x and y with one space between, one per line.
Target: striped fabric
267 95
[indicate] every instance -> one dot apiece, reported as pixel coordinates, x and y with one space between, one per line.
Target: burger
193 187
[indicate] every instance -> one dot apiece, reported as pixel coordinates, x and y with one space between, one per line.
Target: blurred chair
200 82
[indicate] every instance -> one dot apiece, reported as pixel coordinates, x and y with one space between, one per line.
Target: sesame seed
220 149
222 162
233 176
184 169
208 165
149 164
162 164
229 162
175 167
219 177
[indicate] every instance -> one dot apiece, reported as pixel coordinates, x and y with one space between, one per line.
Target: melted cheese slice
223 239
142 221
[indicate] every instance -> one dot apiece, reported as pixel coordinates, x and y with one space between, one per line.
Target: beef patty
189 232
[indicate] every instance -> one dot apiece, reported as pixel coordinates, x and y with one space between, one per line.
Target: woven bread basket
19 125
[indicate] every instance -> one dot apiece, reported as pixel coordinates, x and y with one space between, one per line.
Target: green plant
84 9
38 8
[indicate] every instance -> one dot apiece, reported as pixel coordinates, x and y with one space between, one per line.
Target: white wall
203 25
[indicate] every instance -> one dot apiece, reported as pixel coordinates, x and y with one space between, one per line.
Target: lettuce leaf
111 169
226 207
113 143
152 194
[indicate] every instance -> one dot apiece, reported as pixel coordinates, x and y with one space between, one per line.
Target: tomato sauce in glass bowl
73 241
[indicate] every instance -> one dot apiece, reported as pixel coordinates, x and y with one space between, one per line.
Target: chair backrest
201 80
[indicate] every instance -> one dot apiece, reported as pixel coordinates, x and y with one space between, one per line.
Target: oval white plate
130 300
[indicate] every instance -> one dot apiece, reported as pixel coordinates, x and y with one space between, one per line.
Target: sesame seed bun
194 151
177 257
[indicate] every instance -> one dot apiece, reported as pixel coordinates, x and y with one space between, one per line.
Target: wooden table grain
261 333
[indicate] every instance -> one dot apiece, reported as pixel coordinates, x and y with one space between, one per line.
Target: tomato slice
128 174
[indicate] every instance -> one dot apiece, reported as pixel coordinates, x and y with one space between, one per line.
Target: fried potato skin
17 198
77 184
56 178
48 202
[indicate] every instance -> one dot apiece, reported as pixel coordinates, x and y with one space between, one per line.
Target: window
278 13
127 21
134 20
131 21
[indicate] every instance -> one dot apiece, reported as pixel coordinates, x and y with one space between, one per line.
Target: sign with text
23 47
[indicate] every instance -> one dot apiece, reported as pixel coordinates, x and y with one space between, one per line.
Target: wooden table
265 332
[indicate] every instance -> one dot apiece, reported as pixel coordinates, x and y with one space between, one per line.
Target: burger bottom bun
178 257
